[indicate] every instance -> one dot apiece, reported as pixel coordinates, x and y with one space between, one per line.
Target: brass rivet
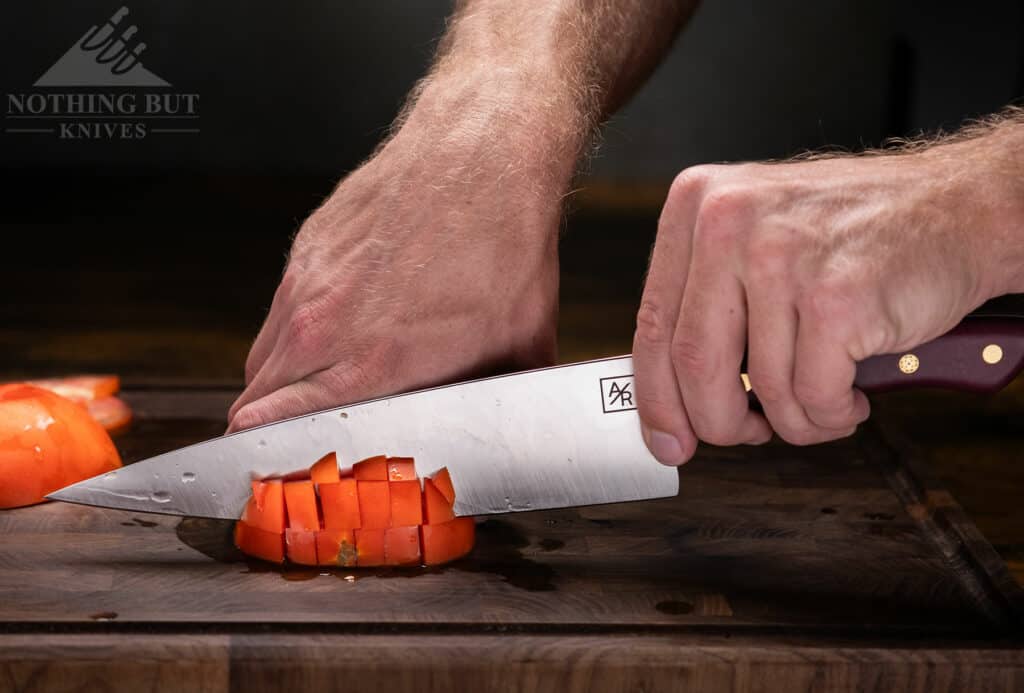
745 379
992 354
909 363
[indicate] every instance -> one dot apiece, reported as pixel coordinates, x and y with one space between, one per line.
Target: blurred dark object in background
160 256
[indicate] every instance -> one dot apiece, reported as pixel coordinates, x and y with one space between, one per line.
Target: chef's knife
548 438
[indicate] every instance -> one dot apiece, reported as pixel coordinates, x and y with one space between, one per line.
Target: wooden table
833 568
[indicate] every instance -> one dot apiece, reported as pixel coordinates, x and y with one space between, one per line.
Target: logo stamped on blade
617 393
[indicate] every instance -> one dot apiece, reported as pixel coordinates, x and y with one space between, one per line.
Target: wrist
500 120
983 179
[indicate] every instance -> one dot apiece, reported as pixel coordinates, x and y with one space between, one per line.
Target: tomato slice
371 469
259 542
47 442
402 546
374 505
265 510
340 505
300 505
447 541
406 503
436 508
370 547
443 481
300 546
336 547
325 470
401 469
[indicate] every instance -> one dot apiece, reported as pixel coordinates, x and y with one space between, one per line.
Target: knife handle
981 354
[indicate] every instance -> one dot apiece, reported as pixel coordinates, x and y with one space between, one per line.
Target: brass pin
992 354
746 382
909 363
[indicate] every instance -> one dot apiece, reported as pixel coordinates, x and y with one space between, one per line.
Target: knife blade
548 438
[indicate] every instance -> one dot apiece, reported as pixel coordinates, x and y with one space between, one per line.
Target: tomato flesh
325 470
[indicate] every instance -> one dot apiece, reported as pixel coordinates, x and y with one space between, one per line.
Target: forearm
525 83
982 167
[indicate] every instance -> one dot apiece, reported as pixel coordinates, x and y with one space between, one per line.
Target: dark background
158 258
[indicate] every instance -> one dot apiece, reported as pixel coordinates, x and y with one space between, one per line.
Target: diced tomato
447 541
300 505
374 504
443 482
406 503
47 442
340 505
371 469
81 388
370 547
300 546
436 508
380 515
336 547
265 509
402 546
259 543
401 469
325 470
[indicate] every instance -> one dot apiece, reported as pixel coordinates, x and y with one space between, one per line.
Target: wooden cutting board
836 567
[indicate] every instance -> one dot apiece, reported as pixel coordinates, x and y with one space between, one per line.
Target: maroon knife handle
981 354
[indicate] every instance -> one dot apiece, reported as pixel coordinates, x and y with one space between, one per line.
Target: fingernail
666 448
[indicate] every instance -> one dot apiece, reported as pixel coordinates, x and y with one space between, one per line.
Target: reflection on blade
549 438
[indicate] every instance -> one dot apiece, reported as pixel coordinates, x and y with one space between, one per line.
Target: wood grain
838 567
253 663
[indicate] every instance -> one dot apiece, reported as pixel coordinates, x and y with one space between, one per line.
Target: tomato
96 392
300 505
340 503
325 470
448 540
380 515
46 443
436 508
371 469
111 413
81 388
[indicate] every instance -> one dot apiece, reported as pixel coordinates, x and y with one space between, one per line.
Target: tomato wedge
111 413
81 388
47 442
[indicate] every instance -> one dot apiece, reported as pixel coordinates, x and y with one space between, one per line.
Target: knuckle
813 396
692 358
653 330
769 258
305 328
245 418
690 182
768 388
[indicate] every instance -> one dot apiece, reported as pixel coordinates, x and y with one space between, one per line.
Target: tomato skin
46 443
447 541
